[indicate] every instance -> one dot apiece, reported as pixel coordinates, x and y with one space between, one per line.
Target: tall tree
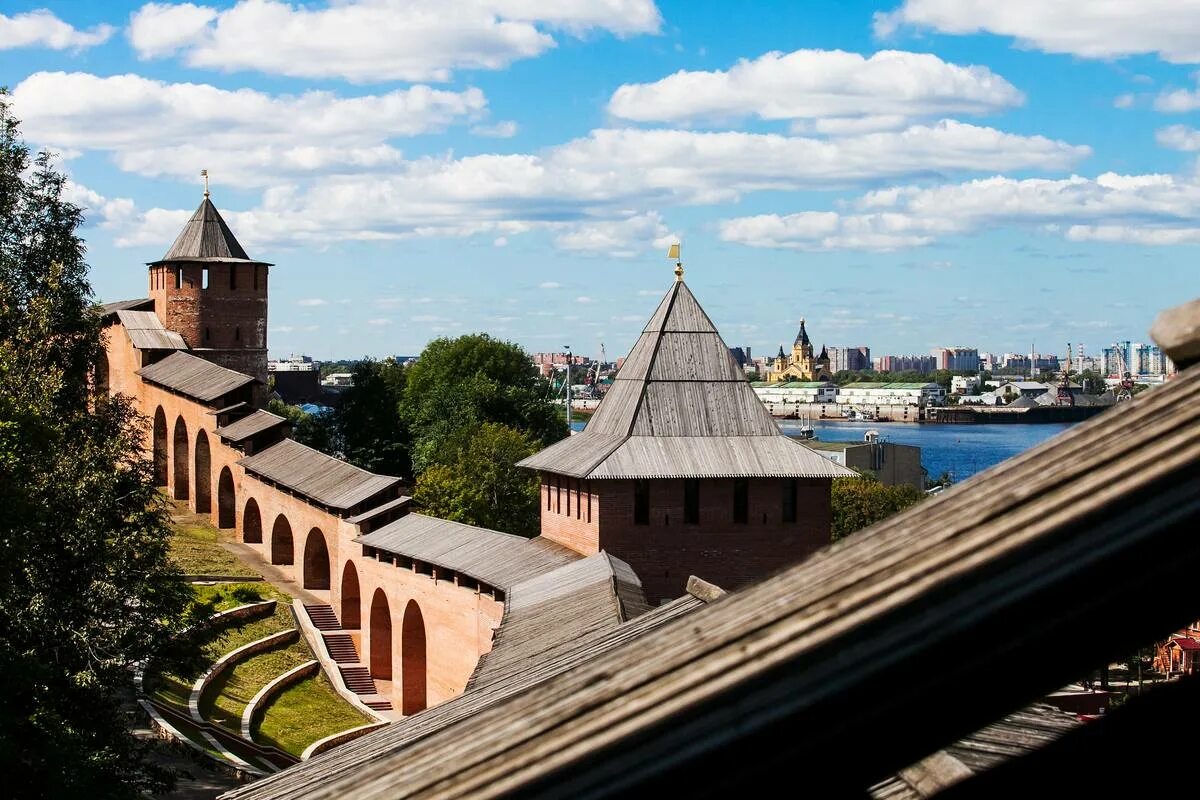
86 586
458 384
371 433
480 484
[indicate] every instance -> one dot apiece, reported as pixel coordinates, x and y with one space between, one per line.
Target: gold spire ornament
673 254
204 174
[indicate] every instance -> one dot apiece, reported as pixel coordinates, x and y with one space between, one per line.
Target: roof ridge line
674 291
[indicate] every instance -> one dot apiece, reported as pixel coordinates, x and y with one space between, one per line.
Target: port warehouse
829 399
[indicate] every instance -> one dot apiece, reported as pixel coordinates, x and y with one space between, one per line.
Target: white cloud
1143 209
501 130
1178 137
376 40
311 302
583 300
1087 28
851 92
500 241
41 28
379 322
243 137
1177 101
1124 101
623 237
593 193
549 285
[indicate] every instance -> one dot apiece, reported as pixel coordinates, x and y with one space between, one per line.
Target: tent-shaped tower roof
207 238
681 407
802 336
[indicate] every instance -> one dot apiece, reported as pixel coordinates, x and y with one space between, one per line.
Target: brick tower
682 471
212 294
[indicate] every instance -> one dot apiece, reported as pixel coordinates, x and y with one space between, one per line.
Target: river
961 450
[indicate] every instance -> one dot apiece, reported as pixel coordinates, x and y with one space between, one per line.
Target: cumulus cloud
42 28
311 302
1179 137
593 194
549 285
849 92
1177 101
1085 28
1143 209
376 40
246 136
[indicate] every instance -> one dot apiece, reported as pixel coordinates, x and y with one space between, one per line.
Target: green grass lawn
174 686
304 713
227 696
196 547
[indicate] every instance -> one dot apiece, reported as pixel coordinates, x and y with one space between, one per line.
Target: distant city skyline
911 175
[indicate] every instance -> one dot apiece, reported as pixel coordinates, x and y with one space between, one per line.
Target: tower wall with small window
729 531
219 308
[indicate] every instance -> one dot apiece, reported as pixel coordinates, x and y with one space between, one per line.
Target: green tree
481 484
458 384
859 502
369 428
86 585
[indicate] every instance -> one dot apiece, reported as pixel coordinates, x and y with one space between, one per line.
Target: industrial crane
1065 398
1126 386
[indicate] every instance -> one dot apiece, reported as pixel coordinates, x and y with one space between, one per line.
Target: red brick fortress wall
732 555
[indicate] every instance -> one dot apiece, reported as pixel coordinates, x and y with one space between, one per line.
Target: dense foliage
479 485
86 587
859 502
367 422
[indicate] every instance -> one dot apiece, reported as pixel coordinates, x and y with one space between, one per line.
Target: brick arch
251 523
412 659
160 447
351 610
203 474
226 500
180 459
380 637
316 561
283 550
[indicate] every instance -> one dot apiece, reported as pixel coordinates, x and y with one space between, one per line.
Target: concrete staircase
340 646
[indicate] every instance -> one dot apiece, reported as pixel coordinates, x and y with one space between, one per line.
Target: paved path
273 574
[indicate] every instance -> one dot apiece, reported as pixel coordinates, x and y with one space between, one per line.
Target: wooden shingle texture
680 386
206 238
558 609
194 377
497 559
146 331
322 478
250 425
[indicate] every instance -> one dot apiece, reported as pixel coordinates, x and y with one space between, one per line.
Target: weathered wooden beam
873 654
1177 332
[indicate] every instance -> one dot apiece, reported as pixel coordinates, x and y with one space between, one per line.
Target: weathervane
673 253
204 174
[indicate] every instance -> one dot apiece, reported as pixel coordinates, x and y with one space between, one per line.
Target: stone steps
323 617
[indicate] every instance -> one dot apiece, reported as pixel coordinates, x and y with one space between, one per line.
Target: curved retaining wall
267 693
229 659
228 763
329 742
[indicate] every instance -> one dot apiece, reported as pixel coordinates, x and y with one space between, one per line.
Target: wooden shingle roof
497 559
681 407
192 376
250 425
146 331
206 238
322 478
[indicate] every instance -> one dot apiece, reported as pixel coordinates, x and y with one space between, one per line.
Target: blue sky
905 174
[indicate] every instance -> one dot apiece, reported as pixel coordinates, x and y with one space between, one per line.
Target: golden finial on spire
204 174
674 254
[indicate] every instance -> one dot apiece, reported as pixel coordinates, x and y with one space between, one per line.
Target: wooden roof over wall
326 480
194 377
146 331
498 559
206 238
